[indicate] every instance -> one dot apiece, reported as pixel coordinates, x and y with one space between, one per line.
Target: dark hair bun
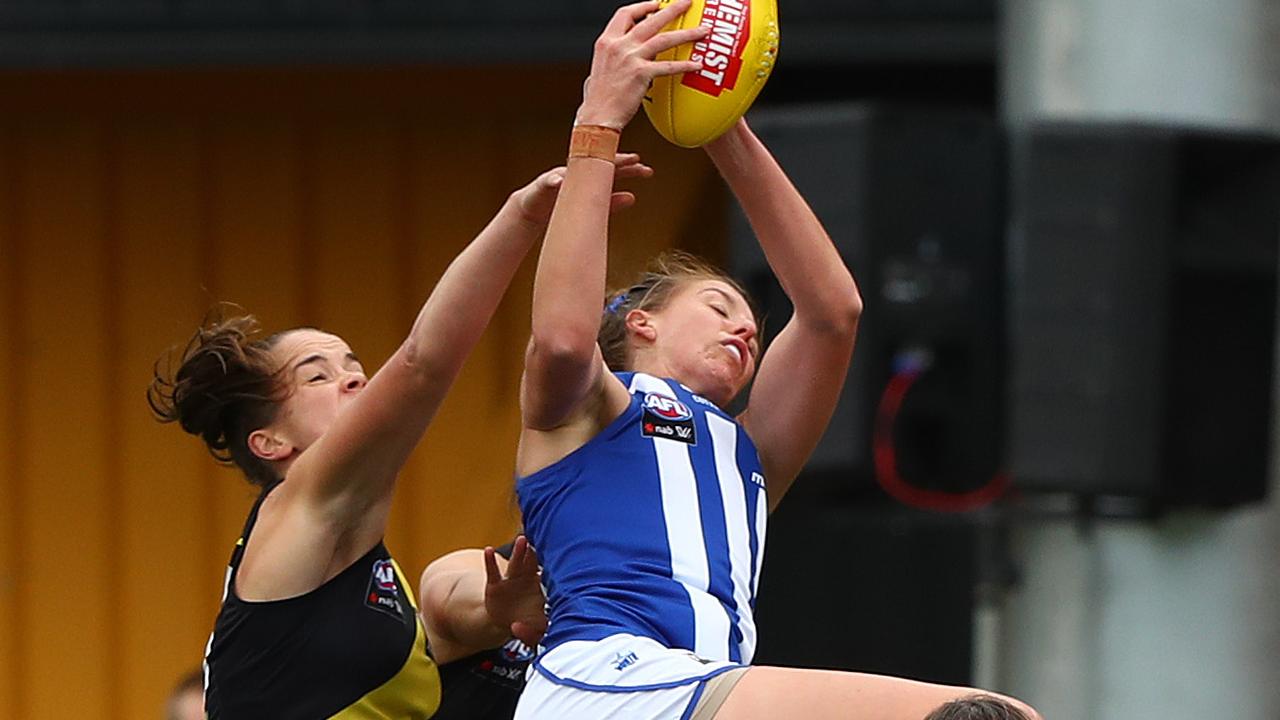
224 388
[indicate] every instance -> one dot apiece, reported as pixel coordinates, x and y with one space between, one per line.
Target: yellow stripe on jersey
413 693
408 589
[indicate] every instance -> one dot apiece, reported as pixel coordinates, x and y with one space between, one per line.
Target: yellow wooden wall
129 202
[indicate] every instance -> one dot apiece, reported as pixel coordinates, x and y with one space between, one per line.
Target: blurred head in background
186 702
978 707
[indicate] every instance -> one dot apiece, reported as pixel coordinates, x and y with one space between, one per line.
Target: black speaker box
912 198
1142 307
861 588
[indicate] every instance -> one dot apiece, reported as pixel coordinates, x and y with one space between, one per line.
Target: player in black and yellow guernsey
351 648
317 621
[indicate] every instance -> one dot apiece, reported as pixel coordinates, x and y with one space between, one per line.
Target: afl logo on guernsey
667 408
668 418
515 651
384 575
383 594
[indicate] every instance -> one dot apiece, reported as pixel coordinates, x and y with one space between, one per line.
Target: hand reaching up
623 64
537 199
515 600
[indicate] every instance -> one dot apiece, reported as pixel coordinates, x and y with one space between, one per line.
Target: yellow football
737 57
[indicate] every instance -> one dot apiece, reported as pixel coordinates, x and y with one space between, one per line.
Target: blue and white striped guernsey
655 527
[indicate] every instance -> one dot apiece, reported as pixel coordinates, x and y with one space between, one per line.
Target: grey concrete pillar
1211 63
1179 619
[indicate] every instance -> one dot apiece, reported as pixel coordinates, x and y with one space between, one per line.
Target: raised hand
623 63
516 600
537 199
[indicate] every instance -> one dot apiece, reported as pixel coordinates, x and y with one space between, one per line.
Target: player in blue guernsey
646 501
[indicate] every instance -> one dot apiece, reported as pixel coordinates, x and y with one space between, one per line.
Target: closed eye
317 377
720 311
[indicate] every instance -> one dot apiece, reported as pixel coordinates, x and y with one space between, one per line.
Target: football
737 58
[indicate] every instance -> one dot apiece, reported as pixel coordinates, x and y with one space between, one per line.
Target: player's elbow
434 611
848 309
837 316
426 366
562 345
559 361
436 591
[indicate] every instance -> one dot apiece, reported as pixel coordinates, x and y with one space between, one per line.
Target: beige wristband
594 141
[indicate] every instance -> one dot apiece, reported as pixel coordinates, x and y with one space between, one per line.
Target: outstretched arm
474 600
351 469
800 377
335 501
563 366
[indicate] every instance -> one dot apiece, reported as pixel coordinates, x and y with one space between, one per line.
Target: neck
282 466
649 363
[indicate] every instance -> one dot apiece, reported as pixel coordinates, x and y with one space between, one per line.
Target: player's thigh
767 693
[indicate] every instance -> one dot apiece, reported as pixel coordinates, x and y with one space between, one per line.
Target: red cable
885 455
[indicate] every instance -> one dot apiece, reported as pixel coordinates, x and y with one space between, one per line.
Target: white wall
1180 619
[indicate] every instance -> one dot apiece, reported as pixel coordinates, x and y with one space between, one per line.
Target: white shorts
621 676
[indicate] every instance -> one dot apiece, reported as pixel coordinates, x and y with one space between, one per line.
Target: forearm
798 249
451 592
477 599
570 280
348 475
571 272
465 620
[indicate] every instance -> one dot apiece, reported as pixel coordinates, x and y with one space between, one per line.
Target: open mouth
738 350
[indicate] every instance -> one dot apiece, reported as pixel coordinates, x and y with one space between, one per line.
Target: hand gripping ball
737 57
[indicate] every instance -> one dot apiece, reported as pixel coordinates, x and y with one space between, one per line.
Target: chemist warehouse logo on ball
384 593
721 51
666 417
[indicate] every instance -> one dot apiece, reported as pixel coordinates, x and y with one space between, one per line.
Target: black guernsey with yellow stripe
353 648
486 685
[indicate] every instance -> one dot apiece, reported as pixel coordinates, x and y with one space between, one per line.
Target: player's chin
723 389
734 378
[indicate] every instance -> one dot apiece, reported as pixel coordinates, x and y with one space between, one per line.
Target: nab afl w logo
668 408
667 417
383 593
